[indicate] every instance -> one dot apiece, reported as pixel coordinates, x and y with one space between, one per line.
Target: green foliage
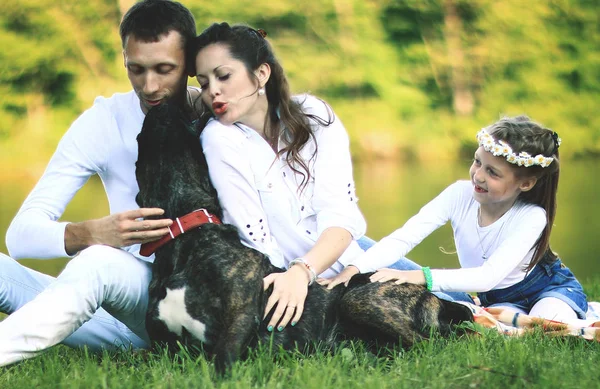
409 78
47 45
541 59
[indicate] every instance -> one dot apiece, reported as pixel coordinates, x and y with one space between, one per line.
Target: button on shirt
267 200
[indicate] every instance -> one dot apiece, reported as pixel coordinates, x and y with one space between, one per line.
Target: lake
391 192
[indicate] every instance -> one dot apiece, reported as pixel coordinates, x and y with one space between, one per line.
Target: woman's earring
261 91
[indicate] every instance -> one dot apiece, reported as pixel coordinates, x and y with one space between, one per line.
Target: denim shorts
545 280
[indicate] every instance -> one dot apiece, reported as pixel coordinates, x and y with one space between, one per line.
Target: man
100 299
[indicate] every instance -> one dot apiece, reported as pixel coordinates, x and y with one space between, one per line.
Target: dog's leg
234 341
388 313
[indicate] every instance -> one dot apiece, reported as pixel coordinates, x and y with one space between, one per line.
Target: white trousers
99 300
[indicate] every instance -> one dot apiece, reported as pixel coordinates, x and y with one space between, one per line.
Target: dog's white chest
171 311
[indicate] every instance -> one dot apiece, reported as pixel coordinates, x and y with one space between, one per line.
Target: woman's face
228 89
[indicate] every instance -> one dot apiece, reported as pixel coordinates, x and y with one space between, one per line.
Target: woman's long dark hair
250 46
522 134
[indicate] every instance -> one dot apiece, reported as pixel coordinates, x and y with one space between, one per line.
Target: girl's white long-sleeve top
264 198
508 242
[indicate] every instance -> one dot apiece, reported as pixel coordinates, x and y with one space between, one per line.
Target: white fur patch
171 311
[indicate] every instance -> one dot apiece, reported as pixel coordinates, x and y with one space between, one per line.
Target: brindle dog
207 288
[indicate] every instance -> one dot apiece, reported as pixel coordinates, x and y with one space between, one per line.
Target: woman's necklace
484 252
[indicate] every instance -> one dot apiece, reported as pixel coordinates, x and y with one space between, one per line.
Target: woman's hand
342 278
289 293
400 276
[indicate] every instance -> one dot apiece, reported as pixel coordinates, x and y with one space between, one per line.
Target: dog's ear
138 200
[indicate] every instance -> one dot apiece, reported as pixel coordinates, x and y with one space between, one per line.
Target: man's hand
118 230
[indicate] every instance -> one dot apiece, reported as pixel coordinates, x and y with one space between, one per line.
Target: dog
207 287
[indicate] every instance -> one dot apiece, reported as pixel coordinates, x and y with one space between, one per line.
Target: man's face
156 70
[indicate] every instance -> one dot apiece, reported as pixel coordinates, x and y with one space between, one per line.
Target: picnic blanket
510 323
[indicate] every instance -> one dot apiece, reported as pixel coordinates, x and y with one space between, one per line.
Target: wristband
313 275
428 279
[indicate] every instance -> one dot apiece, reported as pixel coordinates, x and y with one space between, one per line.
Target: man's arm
35 232
118 230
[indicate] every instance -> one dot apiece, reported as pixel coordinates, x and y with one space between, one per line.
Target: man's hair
148 20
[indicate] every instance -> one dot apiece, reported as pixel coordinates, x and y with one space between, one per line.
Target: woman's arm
290 288
232 176
334 199
339 219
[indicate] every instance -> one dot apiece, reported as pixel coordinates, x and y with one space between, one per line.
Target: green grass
485 361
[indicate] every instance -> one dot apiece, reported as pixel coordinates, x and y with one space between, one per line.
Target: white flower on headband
503 149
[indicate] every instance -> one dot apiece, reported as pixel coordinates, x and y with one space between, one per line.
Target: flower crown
503 149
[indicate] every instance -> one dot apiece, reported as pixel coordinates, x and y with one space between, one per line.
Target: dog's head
166 128
171 165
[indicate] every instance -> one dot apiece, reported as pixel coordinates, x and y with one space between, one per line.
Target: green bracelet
428 279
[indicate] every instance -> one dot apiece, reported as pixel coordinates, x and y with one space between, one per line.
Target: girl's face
495 183
228 89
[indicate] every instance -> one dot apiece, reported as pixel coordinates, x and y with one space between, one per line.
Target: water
391 192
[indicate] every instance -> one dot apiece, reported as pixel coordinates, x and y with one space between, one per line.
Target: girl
502 221
280 164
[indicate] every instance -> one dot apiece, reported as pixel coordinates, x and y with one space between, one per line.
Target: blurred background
412 80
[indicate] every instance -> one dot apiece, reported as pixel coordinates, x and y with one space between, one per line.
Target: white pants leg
48 311
552 308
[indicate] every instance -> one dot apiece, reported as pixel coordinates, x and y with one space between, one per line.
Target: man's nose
151 84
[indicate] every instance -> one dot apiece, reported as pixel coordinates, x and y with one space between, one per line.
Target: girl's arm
396 245
506 258
522 234
432 216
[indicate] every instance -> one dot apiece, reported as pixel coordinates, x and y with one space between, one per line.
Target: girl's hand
400 276
342 278
289 293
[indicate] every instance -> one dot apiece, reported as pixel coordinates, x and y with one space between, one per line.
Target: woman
280 163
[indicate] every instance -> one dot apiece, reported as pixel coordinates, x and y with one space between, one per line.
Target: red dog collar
180 226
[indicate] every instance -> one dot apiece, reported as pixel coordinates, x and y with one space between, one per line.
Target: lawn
474 361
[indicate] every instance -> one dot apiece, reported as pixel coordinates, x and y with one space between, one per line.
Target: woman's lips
219 108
